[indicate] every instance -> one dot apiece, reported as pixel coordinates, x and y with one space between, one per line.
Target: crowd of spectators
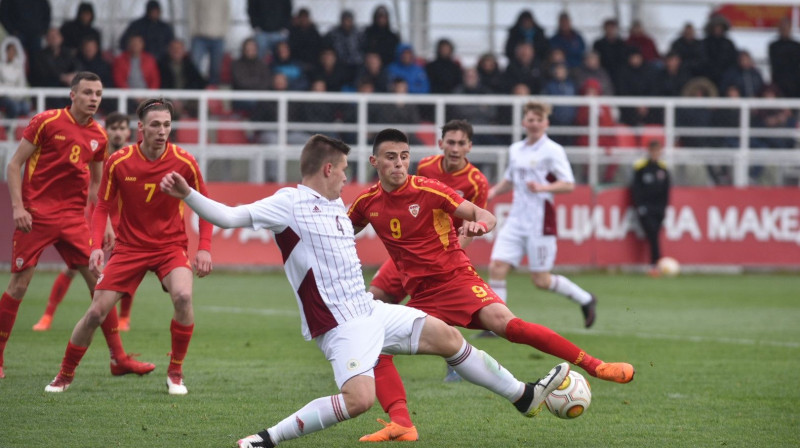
288 52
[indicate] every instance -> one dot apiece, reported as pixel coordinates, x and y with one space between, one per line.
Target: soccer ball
669 266
572 397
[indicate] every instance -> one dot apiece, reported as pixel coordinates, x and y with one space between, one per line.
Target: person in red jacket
135 68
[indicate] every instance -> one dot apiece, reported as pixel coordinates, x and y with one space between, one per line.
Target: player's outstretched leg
392 396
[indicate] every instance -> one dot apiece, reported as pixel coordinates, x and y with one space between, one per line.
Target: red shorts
126 268
390 281
455 297
68 234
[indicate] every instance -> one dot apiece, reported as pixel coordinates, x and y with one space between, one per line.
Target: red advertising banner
754 16
703 226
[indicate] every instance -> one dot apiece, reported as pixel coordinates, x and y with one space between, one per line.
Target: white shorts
510 247
353 347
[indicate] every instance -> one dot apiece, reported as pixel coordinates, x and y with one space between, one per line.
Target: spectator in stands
745 76
690 49
672 77
270 20
28 21
638 38
444 72
525 68
612 50
398 113
53 65
157 33
555 57
305 41
330 71
490 74
405 67
373 73
784 60
177 69
249 72
727 118
379 38
209 22
283 62
605 116
635 79
773 118
700 117
561 85
346 42
90 59
135 68
475 113
12 75
526 30
720 52
568 40
74 31
591 69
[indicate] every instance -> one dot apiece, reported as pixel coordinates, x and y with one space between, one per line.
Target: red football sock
125 306
60 287
72 357
181 335
8 314
550 342
390 391
110 329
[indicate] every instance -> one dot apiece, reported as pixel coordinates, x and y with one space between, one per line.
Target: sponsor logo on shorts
19 262
353 364
414 210
94 144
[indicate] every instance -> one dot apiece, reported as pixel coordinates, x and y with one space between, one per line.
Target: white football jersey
318 246
540 162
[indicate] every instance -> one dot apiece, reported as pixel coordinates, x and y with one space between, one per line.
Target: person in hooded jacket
76 30
379 38
526 30
405 67
12 75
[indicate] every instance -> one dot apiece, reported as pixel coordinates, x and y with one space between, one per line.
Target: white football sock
499 287
315 416
477 367
565 287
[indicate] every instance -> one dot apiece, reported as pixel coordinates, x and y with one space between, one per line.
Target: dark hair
81 76
152 104
319 150
458 125
388 135
116 117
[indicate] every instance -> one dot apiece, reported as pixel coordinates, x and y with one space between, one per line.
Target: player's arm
95 176
22 219
101 222
504 186
477 220
202 260
559 186
210 210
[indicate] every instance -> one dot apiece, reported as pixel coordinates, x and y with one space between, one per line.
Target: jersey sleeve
272 212
36 131
356 210
561 168
442 195
105 200
481 196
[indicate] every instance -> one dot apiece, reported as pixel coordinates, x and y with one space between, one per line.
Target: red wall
704 226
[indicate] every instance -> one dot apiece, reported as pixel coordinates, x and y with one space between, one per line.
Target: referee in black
650 194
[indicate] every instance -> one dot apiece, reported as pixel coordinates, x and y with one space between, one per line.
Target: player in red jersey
62 152
119 132
411 215
151 237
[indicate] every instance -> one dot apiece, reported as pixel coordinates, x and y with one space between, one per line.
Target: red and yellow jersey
415 226
149 219
468 182
56 176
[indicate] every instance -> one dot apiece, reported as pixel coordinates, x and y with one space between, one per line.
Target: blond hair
538 108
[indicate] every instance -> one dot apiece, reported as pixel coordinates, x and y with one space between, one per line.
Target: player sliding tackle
317 242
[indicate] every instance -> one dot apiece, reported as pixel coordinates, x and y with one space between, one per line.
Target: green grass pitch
717 358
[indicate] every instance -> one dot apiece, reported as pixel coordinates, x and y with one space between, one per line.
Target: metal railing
230 147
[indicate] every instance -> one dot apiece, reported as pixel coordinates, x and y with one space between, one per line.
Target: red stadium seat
216 107
232 137
188 135
225 70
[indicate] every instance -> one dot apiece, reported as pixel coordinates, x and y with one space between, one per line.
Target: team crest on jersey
352 364
414 210
19 262
94 144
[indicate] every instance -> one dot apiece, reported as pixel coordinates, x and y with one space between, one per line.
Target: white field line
667 337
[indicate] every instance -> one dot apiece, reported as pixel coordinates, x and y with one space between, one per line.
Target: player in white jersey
537 169
317 242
